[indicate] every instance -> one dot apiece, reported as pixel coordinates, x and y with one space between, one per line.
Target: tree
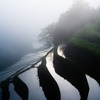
76 17
46 36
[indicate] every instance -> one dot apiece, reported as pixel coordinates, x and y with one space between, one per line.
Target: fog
20 23
22 20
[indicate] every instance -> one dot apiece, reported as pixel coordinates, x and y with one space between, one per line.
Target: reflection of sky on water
25 62
94 93
68 92
31 79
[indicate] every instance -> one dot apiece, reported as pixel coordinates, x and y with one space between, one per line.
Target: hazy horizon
26 18
21 21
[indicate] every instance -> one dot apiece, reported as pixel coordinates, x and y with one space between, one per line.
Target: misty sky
26 18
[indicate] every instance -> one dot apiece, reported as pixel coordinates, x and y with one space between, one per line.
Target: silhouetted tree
46 35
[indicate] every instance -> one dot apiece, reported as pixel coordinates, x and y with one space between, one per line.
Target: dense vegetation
79 27
76 18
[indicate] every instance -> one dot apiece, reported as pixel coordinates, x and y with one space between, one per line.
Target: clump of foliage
78 16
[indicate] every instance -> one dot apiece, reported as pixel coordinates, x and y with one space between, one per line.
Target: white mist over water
20 23
22 20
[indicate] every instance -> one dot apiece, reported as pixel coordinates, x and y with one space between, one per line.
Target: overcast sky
28 17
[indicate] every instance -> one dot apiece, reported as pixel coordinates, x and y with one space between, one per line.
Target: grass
93 47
